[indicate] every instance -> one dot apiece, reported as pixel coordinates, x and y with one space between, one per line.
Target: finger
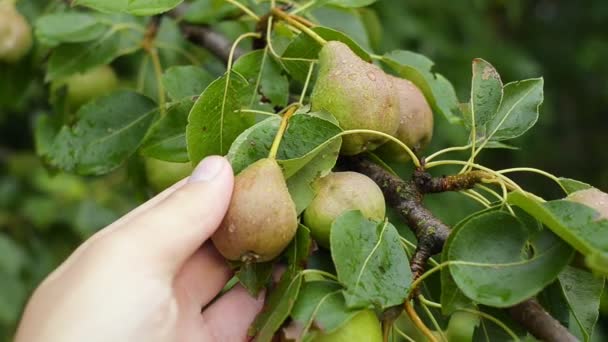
229 318
201 278
168 233
107 230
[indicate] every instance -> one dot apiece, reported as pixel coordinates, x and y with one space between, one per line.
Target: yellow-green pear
358 94
337 193
261 219
363 327
15 33
89 85
162 174
415 121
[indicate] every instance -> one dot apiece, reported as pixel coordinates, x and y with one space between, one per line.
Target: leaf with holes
370 261
488 251
486 95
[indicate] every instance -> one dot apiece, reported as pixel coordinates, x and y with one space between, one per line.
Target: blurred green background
44 216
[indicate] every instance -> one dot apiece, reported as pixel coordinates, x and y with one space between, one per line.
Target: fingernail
207 169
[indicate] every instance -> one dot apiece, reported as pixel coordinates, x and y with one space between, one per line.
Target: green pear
363 327
91 84
337 193
162 174
592 198
15 34
462 326
358 94
416 121
261 219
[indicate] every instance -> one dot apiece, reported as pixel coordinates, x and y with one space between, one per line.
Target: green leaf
532 256
261 70
572 185
12 258
436 88
582 291
108 130
253 144
255 276
349 3
12 298
166 139
69 27
320 305
486 94
185 81
209 11
346 20
136 7
518 111
299 250
215 121
124 37
575 223
304 47
277 307
370 261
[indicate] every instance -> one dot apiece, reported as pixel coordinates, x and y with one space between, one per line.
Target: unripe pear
592 198
261 219
162 174
337 193
363 327
91 84
15 34
416 121
358 94
462 326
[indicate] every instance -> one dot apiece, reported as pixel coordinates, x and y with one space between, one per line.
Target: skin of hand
150 276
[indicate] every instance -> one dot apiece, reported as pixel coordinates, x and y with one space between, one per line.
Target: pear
358 94
89 85
415 121
261 219
592 198
15 33
337 193
363 327
162 174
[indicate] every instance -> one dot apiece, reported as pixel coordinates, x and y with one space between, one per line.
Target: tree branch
210 40
531 315
428 184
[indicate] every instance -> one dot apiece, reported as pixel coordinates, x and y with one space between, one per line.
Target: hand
147 276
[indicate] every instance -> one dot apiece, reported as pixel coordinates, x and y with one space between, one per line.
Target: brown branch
428 184
214 42
532 316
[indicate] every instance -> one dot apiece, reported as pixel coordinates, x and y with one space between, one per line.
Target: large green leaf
486 94
216 121
575 223
582 291
437 89
185 81
107 132
264 73
254 276
493 248
69 27
123 37
253 144
209 11
137 7
370 261
518 111
320 305
166 139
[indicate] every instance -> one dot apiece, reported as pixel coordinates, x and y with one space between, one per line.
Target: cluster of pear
15 33
262 219
360 95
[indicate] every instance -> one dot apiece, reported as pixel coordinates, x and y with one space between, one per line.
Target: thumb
170 231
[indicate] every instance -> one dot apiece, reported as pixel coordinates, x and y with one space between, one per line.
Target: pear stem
274 149
418 322
297 24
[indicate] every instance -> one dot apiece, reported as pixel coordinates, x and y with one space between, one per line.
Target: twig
531 315
210 40
428 184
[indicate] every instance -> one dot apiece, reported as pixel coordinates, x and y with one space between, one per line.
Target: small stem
245 9
494 320
312 34
274 149
446 150
533 170
476 197
409 151
308 77
402 334
320 272
304 7
429 314
418 322
430 303
255 111
158 73
491 192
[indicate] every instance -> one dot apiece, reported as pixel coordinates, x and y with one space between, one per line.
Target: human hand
147 276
